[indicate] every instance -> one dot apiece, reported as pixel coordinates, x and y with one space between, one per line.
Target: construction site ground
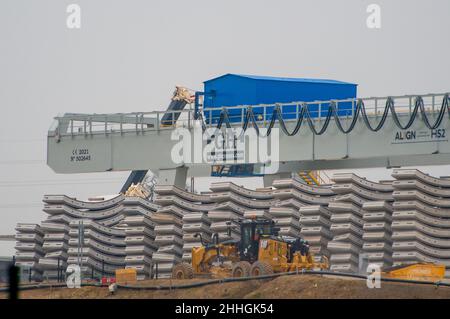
291 287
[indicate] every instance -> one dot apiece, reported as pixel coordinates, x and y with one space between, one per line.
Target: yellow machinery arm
203 257
419 271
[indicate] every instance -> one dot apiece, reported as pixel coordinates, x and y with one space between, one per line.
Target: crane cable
332 111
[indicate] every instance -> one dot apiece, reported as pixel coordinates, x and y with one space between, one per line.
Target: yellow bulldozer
259 251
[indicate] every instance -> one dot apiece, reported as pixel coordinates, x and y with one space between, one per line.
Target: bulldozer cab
251 232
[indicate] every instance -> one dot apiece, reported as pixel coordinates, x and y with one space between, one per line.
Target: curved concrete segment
422 248
315 210
347 218
351 198
196 218
90 224
142 220
377 206
423 218
316 231
93 264
219 215
278 212
29 228
93 253
355 179
378 216
101 247
50 246
418 185
377 236
345 259
315 221
291 203
416 205
377 247
302 187
418 226
257 214
32 246
164 218
343 207
349 238
138 201
140 230
418 236
241 200
173 190
90 233
77 204
343 247
377 226
417 195
242 191
346 228
25 237
401 174
172 210
189 206
300 196
367 194
168 229
75 213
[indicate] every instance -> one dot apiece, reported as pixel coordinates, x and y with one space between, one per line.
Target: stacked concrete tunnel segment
139 235
394 222
196 229
29 239
377 232
421 218
347 208
102 247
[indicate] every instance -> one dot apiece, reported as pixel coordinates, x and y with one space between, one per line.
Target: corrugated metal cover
237 89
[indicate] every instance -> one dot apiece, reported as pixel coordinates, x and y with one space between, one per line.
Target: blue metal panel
234 90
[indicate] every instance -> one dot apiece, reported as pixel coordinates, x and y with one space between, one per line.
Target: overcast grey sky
129 55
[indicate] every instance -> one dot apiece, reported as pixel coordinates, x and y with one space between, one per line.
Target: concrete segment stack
140 236
196 228
29 249
315 221
222 220
421 218
287 219
55 241
175 204
309 203
292 193
102 250
232 201
341 221
55 245
377 234
347 218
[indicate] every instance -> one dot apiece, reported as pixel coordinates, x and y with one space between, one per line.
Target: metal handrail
144 121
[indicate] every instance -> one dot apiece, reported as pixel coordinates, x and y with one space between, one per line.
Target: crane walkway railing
318 114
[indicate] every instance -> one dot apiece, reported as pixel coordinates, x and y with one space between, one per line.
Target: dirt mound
300 286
